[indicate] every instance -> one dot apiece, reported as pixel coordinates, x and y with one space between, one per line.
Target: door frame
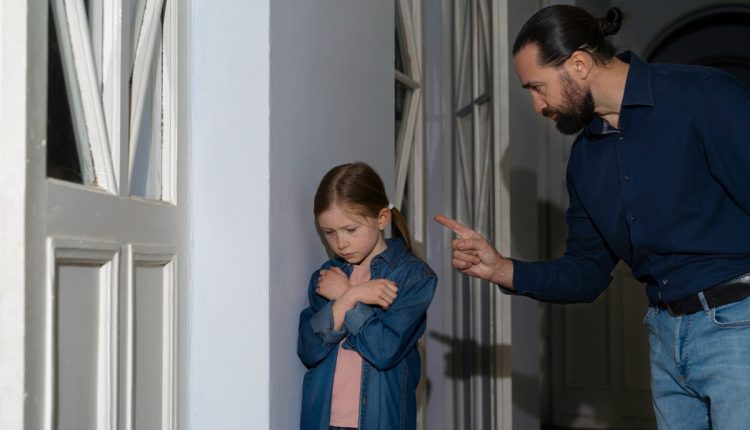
22 247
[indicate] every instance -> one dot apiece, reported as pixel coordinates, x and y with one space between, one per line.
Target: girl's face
355 238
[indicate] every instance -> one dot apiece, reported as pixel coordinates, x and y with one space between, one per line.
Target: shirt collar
637 91
638 84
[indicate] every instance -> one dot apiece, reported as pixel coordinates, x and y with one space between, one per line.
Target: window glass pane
62 151
136 8
399 51
463 65
94 12
146 178
400 108
484 46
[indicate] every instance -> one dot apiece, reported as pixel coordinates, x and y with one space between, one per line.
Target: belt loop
704 303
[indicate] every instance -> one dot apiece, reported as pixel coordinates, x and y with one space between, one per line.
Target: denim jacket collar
394 252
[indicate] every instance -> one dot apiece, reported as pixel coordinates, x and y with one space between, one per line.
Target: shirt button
632 218
626 177
665 281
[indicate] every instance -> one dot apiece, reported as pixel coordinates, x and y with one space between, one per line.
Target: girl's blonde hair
357 187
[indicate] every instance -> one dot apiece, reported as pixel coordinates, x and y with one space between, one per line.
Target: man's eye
328 233
351 230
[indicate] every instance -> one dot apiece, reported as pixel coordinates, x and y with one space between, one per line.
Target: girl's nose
342 243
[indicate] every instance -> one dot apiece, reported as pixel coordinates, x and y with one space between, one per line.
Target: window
111 75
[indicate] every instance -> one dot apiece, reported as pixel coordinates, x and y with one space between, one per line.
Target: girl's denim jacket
386 340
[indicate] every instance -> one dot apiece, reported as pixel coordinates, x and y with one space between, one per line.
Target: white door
104 228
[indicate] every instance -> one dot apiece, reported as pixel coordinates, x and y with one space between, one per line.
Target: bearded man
658 177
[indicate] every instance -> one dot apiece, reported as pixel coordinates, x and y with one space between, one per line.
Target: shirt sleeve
384 338
317 338
721 117
580 275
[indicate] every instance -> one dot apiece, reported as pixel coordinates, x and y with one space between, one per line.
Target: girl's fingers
388 296
385 302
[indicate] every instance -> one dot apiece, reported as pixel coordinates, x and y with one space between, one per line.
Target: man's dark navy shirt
668 192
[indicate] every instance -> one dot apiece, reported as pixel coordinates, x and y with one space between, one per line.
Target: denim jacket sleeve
316 337
384 338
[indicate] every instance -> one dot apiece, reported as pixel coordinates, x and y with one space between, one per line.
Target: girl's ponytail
400 228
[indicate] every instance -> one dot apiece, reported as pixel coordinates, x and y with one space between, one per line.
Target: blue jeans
700 367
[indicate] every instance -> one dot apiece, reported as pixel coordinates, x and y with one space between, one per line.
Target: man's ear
579 64
384 218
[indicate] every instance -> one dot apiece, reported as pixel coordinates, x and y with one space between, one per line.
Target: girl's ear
384 218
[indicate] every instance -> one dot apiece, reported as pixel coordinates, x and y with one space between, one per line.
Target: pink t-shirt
347 378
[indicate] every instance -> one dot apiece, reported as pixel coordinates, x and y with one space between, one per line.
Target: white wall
229 213
331 102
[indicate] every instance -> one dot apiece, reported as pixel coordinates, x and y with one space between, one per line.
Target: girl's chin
351 259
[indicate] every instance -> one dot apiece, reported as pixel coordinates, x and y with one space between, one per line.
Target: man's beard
578 107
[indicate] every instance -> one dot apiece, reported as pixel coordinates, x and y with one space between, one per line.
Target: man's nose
538 103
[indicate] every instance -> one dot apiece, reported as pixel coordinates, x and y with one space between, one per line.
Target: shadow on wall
463 351
467 359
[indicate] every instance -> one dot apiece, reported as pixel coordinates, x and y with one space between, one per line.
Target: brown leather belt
728 292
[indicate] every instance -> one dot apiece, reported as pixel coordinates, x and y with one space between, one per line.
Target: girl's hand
332 283
377 292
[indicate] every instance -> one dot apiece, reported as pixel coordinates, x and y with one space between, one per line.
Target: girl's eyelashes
347 229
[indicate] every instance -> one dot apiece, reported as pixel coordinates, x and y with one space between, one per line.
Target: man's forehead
528 67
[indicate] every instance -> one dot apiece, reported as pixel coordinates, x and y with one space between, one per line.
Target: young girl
358 338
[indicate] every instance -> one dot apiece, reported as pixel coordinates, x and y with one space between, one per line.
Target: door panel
80 305
82 325
152 301
101 332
